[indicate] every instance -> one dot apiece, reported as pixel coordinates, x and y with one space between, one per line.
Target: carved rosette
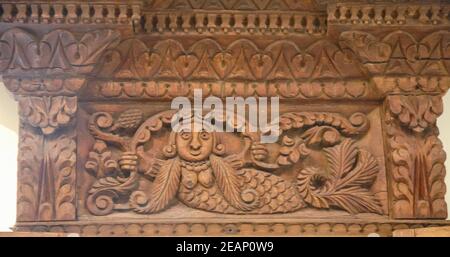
416 157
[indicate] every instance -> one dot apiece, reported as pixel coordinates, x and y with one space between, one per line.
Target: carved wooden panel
360 85
135 163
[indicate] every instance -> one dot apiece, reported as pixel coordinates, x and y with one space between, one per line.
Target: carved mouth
195 153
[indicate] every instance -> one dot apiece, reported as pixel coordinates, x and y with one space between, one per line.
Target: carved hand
259 151
235 161
128 162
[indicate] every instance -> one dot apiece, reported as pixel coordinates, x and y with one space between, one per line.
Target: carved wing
165 186
228 182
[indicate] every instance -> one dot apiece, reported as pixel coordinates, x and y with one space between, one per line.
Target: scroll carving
205 178
416 157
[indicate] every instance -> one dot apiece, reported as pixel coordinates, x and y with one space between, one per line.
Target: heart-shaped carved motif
185 64
222 63
302 65
261 64
147 63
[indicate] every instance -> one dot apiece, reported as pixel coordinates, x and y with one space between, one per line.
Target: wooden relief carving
240 60
416 156
360 86
47 113
57 51
46 189
195 171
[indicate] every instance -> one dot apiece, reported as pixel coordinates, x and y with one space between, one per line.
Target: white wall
444 127
8 151
8 158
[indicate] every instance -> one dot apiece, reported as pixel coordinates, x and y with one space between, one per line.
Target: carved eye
204 135
185 135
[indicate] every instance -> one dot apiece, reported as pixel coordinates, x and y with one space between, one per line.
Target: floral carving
416 113
100 163
48 112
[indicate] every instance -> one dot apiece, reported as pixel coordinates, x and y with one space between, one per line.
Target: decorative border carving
400 53
44 86
240 60
71 13
233 23
193 228
357 89
389 14
57 52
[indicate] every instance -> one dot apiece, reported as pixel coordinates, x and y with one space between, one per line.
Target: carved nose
195 144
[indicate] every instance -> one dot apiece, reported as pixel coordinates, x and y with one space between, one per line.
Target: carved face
194 146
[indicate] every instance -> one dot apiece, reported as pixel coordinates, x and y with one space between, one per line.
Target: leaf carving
351 173
164 188
341 159
228 182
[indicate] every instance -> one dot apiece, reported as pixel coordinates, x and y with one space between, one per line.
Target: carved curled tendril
356 124
106 191
346 186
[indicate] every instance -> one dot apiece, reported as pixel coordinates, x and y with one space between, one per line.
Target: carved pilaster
415 157
45 71
47 158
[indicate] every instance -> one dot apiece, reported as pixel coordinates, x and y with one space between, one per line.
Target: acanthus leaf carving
47 113
416 113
